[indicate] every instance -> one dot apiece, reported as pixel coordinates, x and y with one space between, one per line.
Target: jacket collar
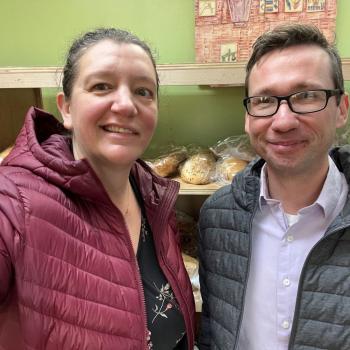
44 148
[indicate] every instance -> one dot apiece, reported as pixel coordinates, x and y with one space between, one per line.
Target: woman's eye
101 87
145 92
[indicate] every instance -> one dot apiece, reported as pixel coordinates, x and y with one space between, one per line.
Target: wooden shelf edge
189 189
211 74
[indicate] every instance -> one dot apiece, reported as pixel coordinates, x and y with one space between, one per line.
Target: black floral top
165 322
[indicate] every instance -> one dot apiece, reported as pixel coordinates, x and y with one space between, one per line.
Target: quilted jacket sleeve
5 258
11 212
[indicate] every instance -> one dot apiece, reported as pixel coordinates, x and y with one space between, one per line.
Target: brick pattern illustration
226 29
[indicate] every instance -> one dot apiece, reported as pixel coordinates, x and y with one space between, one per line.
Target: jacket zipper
296 309
172 191
183 299
141 290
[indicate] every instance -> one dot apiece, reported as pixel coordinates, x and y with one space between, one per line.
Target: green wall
38 32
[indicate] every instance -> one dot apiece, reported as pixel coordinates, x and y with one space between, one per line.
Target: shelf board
213 74
189 189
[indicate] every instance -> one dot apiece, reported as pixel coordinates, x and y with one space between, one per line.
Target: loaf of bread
5 152
198 169
191 266
227 168
167 165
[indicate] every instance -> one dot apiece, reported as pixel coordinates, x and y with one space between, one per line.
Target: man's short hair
294 34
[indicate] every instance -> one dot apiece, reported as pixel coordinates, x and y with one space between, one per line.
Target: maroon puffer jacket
68 275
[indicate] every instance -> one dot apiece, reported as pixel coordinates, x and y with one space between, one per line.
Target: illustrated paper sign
315 5
293 5
228 52
207 8
268 6
239 10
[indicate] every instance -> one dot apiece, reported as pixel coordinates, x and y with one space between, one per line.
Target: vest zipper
248 269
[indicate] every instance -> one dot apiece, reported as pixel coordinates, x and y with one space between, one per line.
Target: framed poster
315 5
228 52
239 10
268 6
293 5
206 8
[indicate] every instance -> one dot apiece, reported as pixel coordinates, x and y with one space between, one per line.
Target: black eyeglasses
302 102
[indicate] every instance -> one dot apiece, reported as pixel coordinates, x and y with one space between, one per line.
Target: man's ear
343 111
63 105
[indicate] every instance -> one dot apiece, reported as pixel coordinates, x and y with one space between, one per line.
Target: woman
89 254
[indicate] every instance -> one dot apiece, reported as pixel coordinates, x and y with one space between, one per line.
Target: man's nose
285 119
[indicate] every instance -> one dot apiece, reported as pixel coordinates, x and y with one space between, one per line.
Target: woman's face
112 111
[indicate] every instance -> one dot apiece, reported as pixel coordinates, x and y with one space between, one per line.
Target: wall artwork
207 8
239 10
293 5
228 52
315 5
268 6
225 30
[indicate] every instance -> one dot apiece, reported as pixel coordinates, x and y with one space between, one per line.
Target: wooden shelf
213 74
189 189
185 74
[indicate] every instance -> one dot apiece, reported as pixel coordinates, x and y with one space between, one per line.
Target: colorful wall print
228 52
293 5
228 35
207 8
268 6
315 5
239 10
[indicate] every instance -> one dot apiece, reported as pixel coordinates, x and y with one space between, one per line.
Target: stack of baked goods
201 166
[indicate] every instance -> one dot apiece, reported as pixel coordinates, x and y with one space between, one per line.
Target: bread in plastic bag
227 168
198 169
167 164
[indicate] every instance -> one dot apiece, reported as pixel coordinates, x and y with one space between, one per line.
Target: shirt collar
331 189
328 197
264 188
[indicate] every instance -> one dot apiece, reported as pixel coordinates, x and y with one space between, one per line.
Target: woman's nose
285 119
123 102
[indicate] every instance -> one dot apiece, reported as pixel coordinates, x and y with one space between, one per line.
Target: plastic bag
199 168
167 164
234 146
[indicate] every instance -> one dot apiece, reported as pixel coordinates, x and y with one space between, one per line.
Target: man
275 245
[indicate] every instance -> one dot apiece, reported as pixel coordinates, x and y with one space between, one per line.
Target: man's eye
145 92
306 95
260 100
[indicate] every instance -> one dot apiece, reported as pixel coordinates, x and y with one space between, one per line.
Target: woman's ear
63 105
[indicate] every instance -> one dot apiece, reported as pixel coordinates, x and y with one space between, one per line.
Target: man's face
293 143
